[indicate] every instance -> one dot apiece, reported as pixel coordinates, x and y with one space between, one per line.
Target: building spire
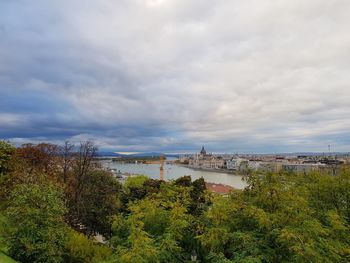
203 151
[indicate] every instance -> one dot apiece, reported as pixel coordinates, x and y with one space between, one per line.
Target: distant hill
109 154
154 154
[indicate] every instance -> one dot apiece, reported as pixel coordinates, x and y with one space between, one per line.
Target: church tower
203 151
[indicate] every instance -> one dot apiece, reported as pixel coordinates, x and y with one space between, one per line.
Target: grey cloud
175 74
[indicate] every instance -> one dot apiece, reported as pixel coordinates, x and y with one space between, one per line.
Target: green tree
100 200
37 228
6 152
135 181
139 245
81 249
134 189
158 225
276 219
198 196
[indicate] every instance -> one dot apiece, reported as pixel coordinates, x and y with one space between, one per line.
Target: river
173 171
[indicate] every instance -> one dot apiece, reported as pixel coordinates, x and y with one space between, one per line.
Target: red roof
219 188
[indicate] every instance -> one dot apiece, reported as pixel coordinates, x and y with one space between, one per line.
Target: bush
81 249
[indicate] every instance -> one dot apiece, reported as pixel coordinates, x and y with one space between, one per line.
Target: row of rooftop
267 163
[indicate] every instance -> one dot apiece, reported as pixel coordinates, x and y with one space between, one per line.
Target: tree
327 193
35 163
100 200
198 196
157 226
81 249
184 181
83 164
66 154
134 189
37 228
142 249
135 181
6 154
152 186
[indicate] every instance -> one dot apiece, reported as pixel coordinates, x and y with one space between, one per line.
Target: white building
233 164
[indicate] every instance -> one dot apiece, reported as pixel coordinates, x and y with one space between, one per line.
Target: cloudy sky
172 75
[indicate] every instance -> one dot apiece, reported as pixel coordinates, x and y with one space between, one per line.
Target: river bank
198 168
174 171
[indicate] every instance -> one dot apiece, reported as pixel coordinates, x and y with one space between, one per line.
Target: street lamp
194 256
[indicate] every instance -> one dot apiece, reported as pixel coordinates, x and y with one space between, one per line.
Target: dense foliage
36 221
54 200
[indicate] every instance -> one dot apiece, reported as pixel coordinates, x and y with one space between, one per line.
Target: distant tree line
55 199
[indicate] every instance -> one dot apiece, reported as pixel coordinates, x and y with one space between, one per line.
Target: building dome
203 151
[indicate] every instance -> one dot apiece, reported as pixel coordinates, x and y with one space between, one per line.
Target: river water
173 171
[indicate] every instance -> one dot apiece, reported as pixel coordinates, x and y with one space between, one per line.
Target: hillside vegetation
55 199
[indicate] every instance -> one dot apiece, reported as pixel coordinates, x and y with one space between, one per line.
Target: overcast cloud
171 75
